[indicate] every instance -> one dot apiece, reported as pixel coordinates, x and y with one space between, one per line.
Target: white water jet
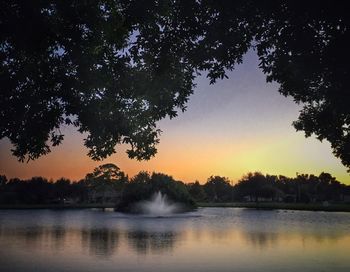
158 206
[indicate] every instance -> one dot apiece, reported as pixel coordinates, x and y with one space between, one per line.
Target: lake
209 239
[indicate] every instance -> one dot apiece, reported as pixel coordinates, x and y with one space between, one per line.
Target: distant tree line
39 190
107 184
257 187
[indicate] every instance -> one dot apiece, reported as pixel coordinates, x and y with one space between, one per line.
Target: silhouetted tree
37 190
105 178
114 68
218 189
80 190
328 187
137 189
107 174
62 188
254 185
3 181
174 189
196 191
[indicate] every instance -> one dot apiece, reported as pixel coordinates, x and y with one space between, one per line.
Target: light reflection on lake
210 239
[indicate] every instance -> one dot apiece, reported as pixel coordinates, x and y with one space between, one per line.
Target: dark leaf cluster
113 68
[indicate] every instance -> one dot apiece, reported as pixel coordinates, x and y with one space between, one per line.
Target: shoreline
339 207
55 206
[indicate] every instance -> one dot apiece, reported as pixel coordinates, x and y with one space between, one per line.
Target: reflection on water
219 239
261 239
100 242
151 242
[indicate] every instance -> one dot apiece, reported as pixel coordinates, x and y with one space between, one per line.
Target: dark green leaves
115 68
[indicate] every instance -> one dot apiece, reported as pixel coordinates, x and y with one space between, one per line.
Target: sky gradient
238 125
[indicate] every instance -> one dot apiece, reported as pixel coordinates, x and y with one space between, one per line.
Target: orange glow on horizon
187 162
236 126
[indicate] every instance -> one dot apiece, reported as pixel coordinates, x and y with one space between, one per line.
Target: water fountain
158 206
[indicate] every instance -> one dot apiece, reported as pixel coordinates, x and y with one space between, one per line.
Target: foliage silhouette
114 68
218 189
105 180
197 192
257 187
106 174
143 186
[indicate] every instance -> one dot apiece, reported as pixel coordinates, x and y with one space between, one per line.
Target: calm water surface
210 239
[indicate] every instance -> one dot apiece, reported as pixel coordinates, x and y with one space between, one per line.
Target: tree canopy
105 177
113 68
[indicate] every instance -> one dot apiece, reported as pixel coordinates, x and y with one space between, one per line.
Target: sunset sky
238 125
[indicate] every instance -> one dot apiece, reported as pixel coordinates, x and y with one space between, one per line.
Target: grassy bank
253 205
282 206
57 206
